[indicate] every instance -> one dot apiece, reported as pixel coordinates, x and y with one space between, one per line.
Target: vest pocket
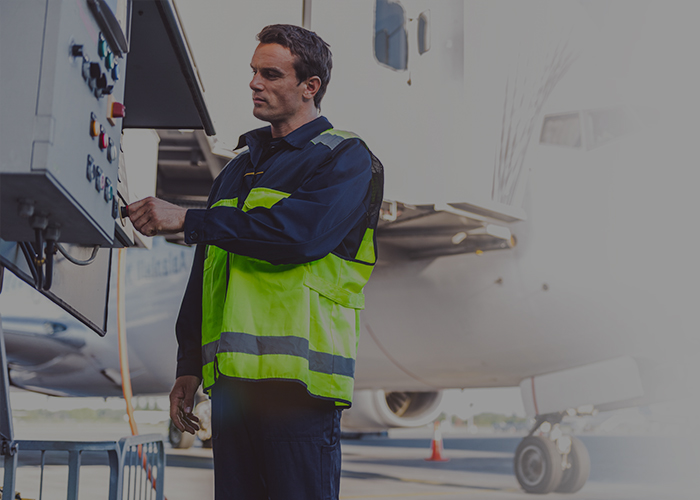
333 292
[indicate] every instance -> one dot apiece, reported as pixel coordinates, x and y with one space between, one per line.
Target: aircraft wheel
537 465
179 439
576 476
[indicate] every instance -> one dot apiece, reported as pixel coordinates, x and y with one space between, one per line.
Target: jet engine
377 410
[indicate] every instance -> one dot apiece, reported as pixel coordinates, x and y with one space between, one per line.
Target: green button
102 47
109 60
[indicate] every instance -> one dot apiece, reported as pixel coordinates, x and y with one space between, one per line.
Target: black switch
95 70
102 87
76 50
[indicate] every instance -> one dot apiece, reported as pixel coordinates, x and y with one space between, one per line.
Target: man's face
277 94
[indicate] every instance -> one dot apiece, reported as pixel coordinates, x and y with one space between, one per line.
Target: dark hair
312 56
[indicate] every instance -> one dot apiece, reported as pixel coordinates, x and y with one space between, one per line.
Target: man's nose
255 82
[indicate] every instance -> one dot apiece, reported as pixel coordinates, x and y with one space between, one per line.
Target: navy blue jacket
325 213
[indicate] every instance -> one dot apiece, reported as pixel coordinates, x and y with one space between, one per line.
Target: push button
111 151
86 69
115 208
95 127
99 179
108 194
102 48
90 169
118 110
103 141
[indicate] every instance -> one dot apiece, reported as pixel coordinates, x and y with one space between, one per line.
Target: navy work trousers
273 441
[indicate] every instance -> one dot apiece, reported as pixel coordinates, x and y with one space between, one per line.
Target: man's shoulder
333 137
240 151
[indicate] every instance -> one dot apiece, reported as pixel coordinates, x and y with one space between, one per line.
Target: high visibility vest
297 322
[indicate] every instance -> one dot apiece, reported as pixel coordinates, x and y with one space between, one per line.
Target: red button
104 141
118 110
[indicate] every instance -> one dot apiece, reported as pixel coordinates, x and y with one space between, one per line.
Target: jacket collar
298 138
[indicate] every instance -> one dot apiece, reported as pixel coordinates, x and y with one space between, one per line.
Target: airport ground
633 467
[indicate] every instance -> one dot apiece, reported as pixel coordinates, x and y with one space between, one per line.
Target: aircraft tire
576 476
179 439
537 465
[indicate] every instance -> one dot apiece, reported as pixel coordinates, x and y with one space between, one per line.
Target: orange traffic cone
436 446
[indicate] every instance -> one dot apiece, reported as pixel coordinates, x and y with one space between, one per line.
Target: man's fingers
140 220
184 422
182 402
141 214
189 421
138 205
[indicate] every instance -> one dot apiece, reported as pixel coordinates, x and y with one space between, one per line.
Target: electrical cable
50 251
29 257
75 261
121 332
38 259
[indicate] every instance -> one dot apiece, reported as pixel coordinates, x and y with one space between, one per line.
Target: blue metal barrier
136 463
144 456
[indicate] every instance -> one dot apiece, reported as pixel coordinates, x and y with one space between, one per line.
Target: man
270 317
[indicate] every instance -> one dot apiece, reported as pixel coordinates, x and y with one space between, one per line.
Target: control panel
61 110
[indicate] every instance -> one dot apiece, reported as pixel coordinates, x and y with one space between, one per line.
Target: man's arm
188 330
304 227
188 327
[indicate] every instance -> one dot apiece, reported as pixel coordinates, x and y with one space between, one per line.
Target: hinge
8 448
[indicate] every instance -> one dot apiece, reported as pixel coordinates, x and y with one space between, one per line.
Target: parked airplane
537 155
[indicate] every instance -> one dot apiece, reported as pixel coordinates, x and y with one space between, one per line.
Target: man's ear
312 86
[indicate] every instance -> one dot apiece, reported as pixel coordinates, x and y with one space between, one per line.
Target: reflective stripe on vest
285 322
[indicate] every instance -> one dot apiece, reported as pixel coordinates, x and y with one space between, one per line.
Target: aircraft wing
431 231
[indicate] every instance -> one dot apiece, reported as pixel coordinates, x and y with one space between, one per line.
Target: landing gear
538 465
578 468
179 439
551 462
203 411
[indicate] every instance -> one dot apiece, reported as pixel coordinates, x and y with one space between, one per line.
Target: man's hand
151 216
182 403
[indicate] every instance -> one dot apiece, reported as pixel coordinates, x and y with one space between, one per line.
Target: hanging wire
75 261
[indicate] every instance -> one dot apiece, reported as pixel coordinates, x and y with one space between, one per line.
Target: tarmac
394 467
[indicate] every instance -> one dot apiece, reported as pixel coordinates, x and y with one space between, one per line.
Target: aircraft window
561 130
424 32
390 36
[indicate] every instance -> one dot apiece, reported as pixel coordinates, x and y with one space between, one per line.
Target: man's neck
287 127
